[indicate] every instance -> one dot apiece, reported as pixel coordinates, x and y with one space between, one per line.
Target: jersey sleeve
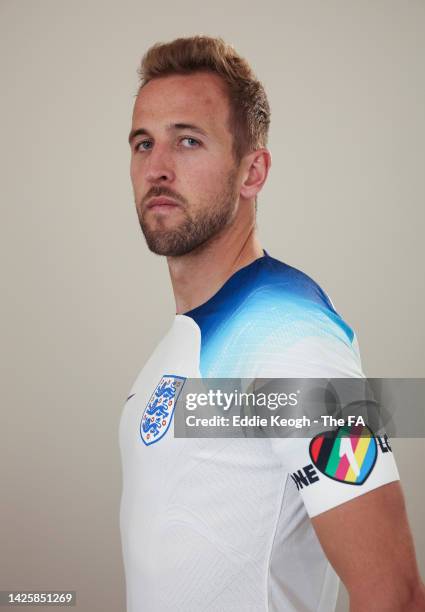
333 468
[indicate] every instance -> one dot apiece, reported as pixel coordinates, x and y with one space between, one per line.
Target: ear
256 168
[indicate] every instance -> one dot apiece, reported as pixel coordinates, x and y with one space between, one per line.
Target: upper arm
368 542
361 523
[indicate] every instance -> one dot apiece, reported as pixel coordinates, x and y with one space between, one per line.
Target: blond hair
249 108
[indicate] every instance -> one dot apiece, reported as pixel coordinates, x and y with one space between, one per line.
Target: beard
196 229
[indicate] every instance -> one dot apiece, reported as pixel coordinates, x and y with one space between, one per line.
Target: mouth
161 204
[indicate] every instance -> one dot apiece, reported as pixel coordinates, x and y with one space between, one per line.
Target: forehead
199 98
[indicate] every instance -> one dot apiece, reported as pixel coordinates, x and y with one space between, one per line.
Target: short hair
249 118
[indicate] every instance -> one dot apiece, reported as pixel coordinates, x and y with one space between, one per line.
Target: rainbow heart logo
347 454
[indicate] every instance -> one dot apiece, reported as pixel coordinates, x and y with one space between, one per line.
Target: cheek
202 177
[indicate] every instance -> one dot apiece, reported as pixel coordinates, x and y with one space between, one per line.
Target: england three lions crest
158 413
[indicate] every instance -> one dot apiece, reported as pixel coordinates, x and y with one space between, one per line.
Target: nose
159 166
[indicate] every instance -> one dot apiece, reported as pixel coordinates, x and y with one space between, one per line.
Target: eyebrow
173 126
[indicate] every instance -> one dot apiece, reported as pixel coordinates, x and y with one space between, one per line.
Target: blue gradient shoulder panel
264 306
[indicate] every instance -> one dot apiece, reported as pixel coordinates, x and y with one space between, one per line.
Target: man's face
184 175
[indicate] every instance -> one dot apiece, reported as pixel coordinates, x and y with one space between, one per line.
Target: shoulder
284 298
281 323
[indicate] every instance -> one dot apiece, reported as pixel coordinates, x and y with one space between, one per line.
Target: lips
161 203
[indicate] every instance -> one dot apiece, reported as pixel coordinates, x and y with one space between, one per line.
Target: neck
198 275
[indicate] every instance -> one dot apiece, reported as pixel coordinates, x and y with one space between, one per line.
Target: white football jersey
221 525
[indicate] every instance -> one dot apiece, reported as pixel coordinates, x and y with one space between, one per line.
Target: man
219 524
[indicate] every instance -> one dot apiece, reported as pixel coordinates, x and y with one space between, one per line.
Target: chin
166 243
172 244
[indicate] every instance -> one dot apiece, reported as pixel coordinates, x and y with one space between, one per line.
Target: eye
191 143
143 145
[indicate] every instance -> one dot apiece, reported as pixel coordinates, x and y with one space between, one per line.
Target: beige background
84 302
